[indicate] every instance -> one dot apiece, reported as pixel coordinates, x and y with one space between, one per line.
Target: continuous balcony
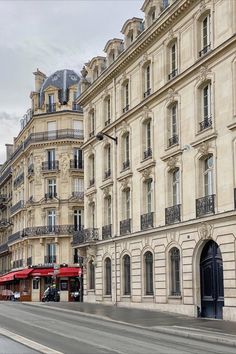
106 232
205 205
206 123
147 221
50 259
173 214
48 230
48 166
205 50
15 237
147 153
173 74
18 180
76 165
78 195
4 248
17 207
6 174
173 140
85 236
125 226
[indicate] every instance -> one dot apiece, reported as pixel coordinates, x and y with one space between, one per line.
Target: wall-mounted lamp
100 136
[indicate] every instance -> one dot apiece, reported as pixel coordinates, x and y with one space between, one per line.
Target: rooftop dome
63 80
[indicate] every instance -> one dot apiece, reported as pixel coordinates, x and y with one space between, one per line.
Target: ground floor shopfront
188 269
30 283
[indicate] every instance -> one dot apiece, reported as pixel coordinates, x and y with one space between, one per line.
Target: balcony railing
107 122
48 230
147 93
3 201
91 182
18 180
206 123
126 108
14 237
31 169
76 165
78 195
50 108
126 164
107 173
205 205
147 221
173 74
173 140
29 261
4 248
6 174
50 165
85 236
50 195
18 263
19 205
172 214
125 226
50 259
147 153
205 50
106 232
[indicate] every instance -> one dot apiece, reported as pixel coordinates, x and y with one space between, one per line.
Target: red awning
23 274
69 272
42 272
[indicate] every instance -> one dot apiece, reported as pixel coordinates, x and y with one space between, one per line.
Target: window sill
175 297
107 296
126 296
91 291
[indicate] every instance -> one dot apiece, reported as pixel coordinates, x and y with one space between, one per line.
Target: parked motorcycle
51 294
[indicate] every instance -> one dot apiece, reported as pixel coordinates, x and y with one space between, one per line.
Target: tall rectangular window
175 187
51 159
149 195
78 219
206 101
51 253
78 158
205 36
148 78
109 109
109 208
127 147
52 188
173 57
127 204
52 130
51 220
208 176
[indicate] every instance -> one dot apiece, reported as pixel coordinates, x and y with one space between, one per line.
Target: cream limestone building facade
160 155
41 187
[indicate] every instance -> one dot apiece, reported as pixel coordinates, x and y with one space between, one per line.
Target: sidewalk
214 331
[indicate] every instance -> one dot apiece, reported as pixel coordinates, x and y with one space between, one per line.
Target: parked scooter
51 294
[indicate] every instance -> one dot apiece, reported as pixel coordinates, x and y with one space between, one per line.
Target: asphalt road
8 346
74 333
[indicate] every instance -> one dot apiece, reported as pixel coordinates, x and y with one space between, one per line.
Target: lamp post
100 136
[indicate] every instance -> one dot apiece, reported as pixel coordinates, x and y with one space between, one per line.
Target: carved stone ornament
170 35
171 162
124 128
124 76
38 169
202 6
90 199
146 112
106 192
90 150
84 72
125 183
205 231
65 165
146 173
145 58
171 96
204 149
204 72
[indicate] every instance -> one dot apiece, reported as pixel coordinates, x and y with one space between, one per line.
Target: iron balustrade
18 206
3 198
107 173
147 153
48 230
29 261
107 122
125 226
106 232
173 74
4 247
85 236
31 169
205 205
147 221
76 164
78 195
50 165
147 93
205 50
50 195
4 175
173 140
206 123
18 180
50 259
173 214
126 108
126 164
51 108
14 237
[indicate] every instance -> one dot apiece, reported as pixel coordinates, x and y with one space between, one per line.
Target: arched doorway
212 285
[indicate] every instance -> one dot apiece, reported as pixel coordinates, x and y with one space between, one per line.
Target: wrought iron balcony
147 93
3 201
18 206
50 165
6 174
76 165
172 214
126 108
173 140
205 205
31 169
107 173
206 123
126 164
107 122
125 227
91 182
106 232
147 153
14 237
78 195
50 195
85 236
173 74
50 259
50 108
147 221
48 230
91 134
4 247
205 50
29 261
18 180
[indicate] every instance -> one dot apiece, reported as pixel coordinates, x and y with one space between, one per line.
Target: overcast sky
50 35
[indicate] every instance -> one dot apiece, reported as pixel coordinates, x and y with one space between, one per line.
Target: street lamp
100 136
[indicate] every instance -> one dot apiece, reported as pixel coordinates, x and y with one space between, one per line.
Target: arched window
91 275
126 270
108 276
148 258
175 272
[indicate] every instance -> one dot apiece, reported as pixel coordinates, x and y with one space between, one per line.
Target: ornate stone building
41 191
159 151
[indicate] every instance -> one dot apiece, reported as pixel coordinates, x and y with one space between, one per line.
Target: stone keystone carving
171 95
146 173
106 192
204 149
171 162
205 231
125 183
203 73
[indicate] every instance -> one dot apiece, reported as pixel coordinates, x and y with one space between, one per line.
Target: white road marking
28 343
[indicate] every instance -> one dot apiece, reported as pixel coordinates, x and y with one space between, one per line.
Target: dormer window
51 106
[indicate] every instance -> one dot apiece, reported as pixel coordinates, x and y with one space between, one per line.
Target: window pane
149 272
126 263
175 269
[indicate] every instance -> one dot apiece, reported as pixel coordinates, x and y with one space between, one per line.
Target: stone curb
165 330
